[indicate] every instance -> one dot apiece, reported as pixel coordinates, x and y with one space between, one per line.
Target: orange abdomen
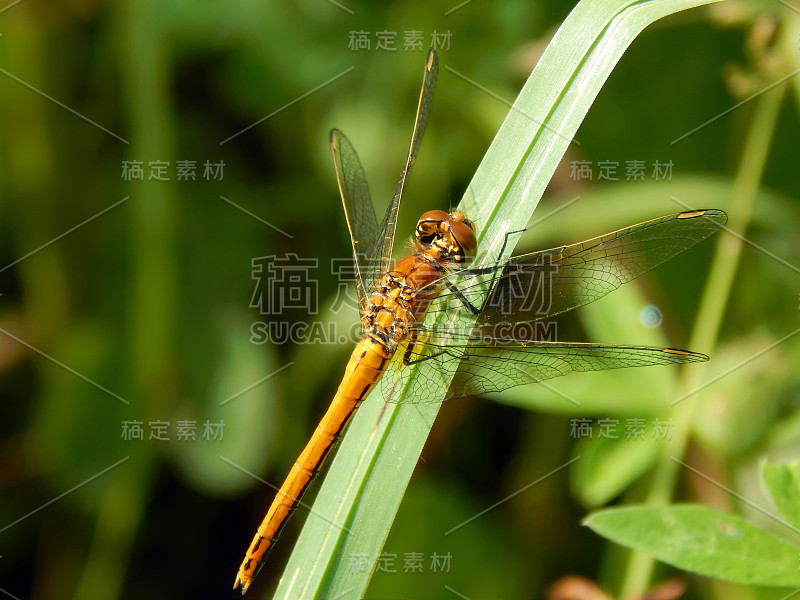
367 364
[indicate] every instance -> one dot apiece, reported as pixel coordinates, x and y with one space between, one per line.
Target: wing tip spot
677 351
430 60
691 214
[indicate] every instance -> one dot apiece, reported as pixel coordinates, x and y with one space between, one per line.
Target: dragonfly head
450 235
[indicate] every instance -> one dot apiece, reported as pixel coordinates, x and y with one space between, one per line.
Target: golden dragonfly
467 357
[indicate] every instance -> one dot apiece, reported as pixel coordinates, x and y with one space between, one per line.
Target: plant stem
717 291
144 76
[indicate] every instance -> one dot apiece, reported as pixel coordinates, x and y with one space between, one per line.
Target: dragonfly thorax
402 296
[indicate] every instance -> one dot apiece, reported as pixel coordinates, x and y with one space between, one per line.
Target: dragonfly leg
408 361
487 270
494 272
476 310
419 360
412 341
505 241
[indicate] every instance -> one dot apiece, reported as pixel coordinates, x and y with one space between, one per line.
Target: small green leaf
782 485
702 540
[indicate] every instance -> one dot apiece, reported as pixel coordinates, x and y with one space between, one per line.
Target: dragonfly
477 350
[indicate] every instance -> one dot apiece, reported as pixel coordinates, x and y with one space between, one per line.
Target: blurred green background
143 313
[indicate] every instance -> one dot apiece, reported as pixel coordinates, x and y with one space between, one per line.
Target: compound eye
465 238
457 215
434 215
429 226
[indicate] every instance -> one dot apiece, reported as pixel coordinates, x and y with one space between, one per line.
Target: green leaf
702 540
608 466
782 485
363 490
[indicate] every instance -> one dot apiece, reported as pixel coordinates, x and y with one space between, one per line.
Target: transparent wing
531 287
358 210
387 230
457 364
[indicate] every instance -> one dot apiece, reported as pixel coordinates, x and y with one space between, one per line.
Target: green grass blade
360 496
